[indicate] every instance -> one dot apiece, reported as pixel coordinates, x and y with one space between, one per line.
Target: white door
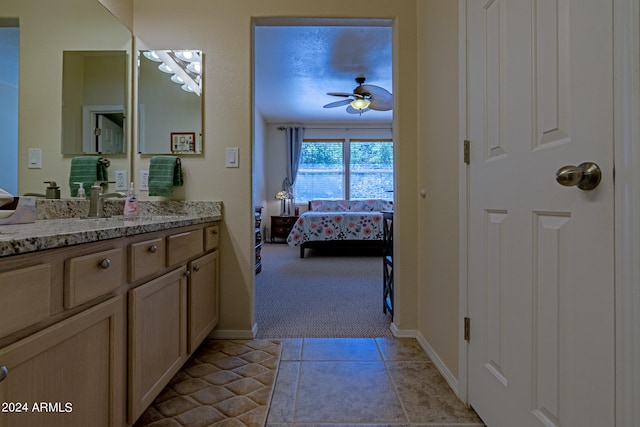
541 266
110 139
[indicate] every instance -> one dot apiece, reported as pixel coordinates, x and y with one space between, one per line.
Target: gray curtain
294 135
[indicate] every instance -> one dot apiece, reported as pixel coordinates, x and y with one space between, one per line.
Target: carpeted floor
226 383
324 295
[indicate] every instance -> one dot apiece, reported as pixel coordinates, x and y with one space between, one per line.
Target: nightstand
281 226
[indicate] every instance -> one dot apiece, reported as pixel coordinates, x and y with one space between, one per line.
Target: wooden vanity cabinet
172 314
157 337
69 374
204 297
100 339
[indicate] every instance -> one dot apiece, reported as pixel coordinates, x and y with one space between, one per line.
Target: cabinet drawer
183 246
146 258
289 221
89 276
25 297
211 238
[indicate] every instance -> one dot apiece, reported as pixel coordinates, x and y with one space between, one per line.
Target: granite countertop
60 232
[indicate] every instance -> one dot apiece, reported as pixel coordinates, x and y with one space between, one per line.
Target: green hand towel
87 170
165 172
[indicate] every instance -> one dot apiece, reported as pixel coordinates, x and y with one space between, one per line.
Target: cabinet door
203 298
157 337
70 374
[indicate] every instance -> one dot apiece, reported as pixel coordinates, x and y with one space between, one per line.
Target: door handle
4 373
586 176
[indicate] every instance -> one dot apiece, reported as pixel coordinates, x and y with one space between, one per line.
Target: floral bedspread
326 225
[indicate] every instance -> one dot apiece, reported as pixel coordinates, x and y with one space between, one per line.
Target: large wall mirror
46 31
170 85
94 91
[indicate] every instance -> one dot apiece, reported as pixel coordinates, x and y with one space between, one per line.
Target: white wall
439 156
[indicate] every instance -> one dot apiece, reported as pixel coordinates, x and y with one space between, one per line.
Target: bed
339 223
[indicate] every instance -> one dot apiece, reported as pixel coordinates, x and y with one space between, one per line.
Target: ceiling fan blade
381 99
374 91
381 105
345 94
337 103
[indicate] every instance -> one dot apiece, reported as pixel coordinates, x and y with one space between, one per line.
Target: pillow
370 205
329 205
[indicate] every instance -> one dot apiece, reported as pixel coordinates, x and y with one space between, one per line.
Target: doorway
319 56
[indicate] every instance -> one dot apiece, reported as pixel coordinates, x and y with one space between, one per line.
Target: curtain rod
338 128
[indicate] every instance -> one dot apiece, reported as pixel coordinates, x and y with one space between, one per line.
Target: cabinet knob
4 373
153 249
214 232
105 263
187 273
196 268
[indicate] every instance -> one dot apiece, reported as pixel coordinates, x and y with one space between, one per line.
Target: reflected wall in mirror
94 90
170 102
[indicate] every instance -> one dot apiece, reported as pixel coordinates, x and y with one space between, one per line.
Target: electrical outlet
121 180
144 180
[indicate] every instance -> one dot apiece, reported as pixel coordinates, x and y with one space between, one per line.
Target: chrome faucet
96 200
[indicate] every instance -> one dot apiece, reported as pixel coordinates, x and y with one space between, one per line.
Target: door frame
626 63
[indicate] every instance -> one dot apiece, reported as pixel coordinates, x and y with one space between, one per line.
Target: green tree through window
353 169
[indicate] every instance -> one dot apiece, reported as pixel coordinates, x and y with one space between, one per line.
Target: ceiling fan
364 98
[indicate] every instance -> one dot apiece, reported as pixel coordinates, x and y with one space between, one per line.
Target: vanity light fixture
187 55
165 68
184 66
152 55
195 67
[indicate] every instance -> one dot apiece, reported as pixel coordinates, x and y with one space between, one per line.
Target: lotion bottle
131 204
81 194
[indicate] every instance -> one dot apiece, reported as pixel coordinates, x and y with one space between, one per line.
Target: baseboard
446 373
402 333
234 334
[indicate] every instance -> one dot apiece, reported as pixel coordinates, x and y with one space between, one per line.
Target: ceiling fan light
360 103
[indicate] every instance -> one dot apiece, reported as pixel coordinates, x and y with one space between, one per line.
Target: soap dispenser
131 204
81 193
53 191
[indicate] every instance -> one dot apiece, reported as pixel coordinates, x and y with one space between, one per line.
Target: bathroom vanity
97 315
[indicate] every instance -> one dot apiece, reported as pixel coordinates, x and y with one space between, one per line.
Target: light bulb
360 103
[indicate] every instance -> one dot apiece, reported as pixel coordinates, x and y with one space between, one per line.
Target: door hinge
467 329
467 154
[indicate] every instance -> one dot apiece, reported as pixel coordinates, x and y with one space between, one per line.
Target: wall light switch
144 181
231 160
35 158
121 180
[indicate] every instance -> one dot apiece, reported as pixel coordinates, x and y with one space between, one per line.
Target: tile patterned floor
321 382
364 382
226 383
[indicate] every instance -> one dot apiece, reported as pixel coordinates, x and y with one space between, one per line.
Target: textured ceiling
295 67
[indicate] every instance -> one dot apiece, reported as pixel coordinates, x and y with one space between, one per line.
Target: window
345 169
